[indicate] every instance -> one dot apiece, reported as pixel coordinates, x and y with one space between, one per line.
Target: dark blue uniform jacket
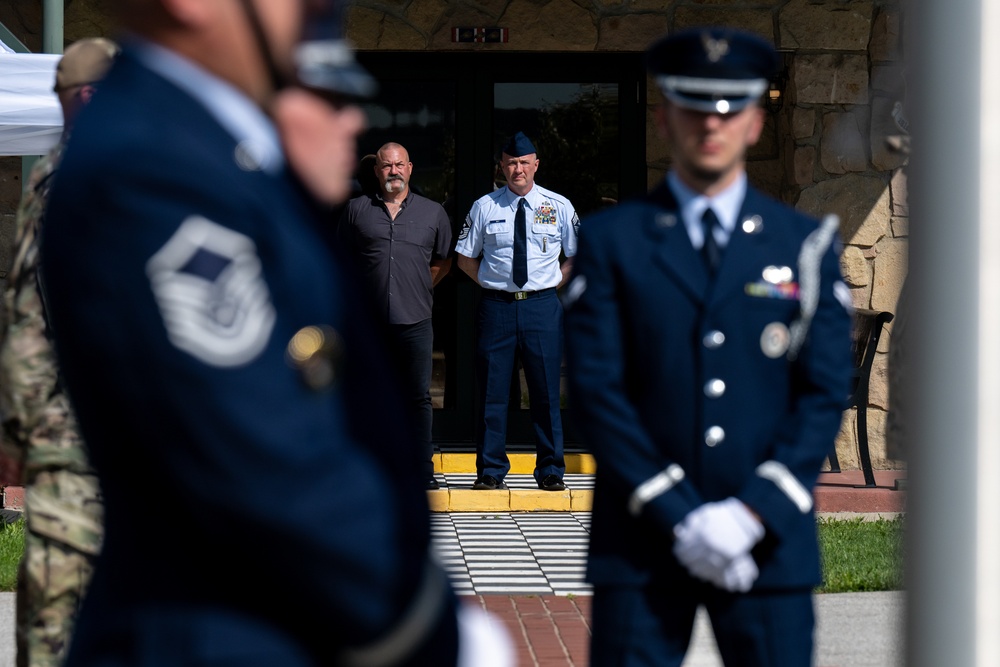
648 339
252 519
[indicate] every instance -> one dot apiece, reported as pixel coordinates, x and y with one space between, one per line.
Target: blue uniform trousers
650 626
533 329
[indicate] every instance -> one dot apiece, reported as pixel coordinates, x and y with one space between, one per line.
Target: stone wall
824 151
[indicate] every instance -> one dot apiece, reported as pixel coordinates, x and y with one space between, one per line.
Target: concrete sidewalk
852 630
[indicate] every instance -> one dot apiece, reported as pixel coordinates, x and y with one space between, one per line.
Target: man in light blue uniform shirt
511 246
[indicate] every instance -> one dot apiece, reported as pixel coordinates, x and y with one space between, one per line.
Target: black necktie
710 251
520 268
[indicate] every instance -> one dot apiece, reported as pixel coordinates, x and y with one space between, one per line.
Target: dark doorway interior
452 111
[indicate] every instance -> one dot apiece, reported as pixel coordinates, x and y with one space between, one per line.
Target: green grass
861 555
11 548
857 555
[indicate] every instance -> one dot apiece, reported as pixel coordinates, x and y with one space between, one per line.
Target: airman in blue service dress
708 348
511 245
260 509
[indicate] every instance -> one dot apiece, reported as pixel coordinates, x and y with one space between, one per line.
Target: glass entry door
585 114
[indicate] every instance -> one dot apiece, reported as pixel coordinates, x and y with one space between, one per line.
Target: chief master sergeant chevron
708 374
259 507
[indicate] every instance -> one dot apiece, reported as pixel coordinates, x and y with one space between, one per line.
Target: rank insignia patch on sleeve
208 283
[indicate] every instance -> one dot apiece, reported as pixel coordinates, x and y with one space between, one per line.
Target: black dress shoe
488 483
432 484
552 483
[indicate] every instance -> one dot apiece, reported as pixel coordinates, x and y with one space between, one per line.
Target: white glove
740 575
712 536
483 640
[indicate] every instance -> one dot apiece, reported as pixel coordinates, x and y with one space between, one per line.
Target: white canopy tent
30 117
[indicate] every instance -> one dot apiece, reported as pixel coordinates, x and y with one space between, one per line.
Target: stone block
878 383
803 123
427 16
884 157
855 267
657 145
398 34
839 26
363 26
889 272
658 6
842 146
830 78
898 190
89 19
758 21
887 36
558 25
631 32
846 442
900 227
804 165
767 176
536 500
862 202
24 19
861 297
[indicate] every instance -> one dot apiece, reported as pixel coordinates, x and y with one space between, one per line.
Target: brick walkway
548 631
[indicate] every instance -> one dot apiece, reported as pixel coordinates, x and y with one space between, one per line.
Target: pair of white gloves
714 541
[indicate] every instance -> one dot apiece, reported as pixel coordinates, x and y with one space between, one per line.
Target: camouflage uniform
62 500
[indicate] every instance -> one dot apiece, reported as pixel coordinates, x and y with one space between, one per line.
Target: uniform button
714 435
714 339
715 388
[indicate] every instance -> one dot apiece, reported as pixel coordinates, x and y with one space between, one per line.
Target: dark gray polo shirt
395 255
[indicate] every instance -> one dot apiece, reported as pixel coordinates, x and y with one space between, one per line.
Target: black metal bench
867 331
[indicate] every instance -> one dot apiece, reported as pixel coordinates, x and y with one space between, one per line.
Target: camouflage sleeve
39 426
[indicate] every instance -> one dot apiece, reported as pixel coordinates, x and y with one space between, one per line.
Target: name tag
496 226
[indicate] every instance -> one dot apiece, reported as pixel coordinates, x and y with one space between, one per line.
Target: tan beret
85 62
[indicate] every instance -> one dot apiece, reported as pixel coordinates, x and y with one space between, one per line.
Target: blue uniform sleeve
781 490
256 461
626 455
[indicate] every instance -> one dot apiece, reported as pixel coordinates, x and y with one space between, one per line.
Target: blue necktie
710 250
519 271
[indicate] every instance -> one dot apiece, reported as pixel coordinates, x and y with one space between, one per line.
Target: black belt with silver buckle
501 295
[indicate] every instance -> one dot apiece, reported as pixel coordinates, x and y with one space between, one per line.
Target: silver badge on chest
774 340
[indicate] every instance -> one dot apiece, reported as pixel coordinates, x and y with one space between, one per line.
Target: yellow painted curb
469 500
530 500
520 463
438 500
517 500
582 500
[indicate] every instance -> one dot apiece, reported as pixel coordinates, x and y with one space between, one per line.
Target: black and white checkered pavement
522 554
